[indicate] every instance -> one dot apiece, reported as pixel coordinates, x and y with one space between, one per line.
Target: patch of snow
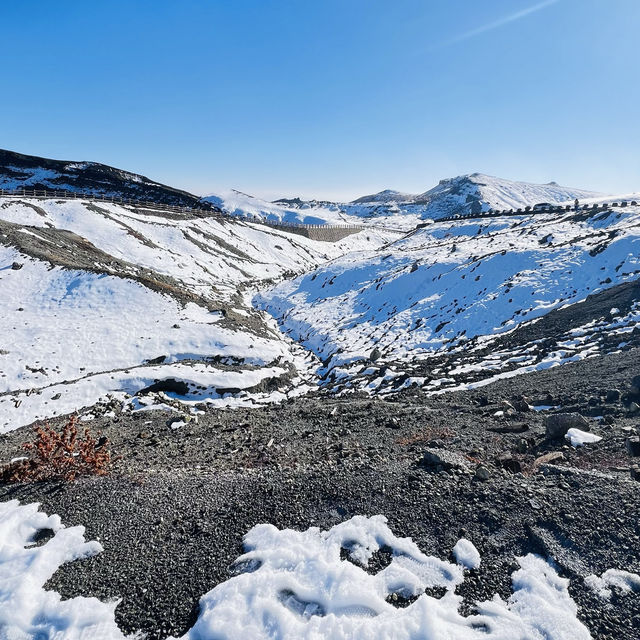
466 554
579 438
618 578
295 585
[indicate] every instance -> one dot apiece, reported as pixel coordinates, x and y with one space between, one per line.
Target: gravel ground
172 514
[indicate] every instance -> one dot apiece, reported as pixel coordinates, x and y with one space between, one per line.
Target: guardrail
525 211
43 194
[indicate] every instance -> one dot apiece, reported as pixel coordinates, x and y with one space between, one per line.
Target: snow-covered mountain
465 194
101 298
18 171
477 192
433 309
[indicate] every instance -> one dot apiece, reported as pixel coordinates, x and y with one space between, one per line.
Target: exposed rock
508 462
548 458
633 446
482 473
613 395
558 424
443 459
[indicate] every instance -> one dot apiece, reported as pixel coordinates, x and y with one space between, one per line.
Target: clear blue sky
332 98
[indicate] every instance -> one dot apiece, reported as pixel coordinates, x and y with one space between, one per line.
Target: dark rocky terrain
172 514
19 171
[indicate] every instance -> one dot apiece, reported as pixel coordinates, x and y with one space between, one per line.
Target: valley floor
172 516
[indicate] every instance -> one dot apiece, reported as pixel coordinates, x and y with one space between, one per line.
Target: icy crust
291 585
29 611
297 586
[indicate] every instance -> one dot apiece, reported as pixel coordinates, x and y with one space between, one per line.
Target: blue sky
333 98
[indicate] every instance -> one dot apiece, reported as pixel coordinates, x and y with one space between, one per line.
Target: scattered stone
483 400
442 459
558 424
633 446
393 423
521 404
522 446
508 462
482 473
548 458
613 395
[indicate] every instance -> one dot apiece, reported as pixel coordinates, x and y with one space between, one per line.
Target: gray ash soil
172 515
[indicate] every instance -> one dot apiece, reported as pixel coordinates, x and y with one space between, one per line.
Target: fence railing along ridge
531 210
79 195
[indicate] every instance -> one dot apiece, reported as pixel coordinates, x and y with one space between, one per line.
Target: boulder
558 424
482 473
441 459
633 446
17 266
613 395
375 354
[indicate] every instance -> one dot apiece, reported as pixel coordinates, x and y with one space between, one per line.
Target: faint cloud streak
500 22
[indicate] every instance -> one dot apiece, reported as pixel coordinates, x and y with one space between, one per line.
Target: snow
27 610
68 338
466 554
393 208
292 585
296 586
617 578
80 335
579 438
454 286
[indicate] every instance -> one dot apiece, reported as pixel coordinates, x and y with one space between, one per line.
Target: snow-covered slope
19 171
449 289
472 193
104 298
240 204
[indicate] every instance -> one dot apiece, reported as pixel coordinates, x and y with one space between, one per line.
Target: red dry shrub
60 455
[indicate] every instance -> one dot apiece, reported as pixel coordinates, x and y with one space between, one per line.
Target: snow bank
296 586
290 585
27 610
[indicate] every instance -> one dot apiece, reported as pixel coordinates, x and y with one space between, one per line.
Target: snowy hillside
461 195
387 318
19 171
100 298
